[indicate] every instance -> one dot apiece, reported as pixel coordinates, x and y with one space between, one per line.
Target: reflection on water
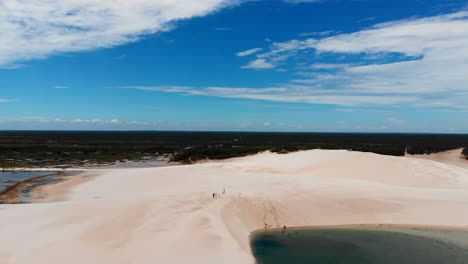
353 246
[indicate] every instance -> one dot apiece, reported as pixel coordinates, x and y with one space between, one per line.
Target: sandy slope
167 215
453 157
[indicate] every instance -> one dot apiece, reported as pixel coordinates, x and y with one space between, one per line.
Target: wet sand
59 191
17 186
10 178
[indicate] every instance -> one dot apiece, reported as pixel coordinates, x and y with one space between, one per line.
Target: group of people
216 194
284 226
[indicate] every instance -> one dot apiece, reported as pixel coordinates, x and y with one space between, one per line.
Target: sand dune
452 157
168 215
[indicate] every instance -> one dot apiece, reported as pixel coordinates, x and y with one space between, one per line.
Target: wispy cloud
121 57
329 66
248 52
395 121
60 87
37 29
4 100
391 123
318 34
223 29
291 93
417 62
77 122
259 64
167 89
367 19
48 123
302 1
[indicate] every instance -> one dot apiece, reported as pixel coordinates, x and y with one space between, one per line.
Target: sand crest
168 215
452 157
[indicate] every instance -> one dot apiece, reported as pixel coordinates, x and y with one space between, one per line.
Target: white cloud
139 123
4 100
395 121
47 123
319 34
167 89
92 121
411 37
40 28
329 66
421 62
291 93
59 87
248 52
38 122
258 64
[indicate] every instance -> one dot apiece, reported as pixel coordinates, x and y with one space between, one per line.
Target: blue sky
291 65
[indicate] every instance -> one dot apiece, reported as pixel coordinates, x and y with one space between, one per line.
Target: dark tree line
30 148
465 152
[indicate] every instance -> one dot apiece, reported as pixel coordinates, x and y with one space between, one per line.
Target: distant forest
48 148
465 152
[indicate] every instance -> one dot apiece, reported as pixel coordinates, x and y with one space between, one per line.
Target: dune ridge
168 214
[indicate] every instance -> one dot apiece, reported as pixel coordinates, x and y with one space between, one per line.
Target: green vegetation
6 163
465 152
48 148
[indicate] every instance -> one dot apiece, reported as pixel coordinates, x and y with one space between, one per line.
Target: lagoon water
10 178
357 246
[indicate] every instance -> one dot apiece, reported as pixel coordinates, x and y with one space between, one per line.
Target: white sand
167 215
453 157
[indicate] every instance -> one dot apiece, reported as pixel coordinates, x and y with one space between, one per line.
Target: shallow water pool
355 246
